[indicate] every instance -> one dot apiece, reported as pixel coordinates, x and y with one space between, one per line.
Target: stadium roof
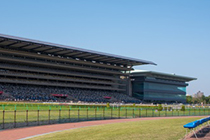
68 51
161 75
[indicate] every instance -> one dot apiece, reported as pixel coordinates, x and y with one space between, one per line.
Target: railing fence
21 118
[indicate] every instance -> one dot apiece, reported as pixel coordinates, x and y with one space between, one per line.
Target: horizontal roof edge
77 49
163 74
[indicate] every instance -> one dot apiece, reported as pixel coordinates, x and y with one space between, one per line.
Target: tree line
198 100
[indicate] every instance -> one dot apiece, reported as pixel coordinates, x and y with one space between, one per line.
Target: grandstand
36 70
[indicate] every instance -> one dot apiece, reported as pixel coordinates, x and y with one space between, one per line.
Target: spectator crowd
44 94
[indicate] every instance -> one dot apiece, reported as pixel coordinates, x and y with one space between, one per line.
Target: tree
208 99
198 100
189 99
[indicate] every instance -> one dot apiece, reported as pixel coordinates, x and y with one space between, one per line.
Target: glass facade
154 91
164 96
138 90
165 87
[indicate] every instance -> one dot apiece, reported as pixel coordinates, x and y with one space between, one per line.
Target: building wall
151 89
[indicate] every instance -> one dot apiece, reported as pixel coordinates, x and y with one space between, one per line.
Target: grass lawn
165 129
85 112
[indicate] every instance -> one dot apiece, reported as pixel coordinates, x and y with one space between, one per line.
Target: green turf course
29 112
165 129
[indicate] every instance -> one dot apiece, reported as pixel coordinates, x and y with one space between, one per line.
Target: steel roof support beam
64 51
45 51
106 59
84 54
92 56
12 44
24 46
117 60
42 48
67 52
2 40
74 53
54 52
98 58
36 48
31 48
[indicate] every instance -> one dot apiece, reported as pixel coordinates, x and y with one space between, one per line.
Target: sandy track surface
23 133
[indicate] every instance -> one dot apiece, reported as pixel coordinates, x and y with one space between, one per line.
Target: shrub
169 108
160 108
107 105
141 106
183 108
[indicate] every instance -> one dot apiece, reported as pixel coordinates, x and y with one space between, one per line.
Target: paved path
21 133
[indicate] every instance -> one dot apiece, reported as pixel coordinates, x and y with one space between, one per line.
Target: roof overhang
161 75
67 51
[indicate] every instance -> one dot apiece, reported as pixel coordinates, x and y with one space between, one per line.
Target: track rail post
172 112
27 117
3 119
95 113
49 116
78 115
111 112
15 118
38 116
60 115
146 112
103 113
119 112
87 113
165 113
133 113
199 111
69 115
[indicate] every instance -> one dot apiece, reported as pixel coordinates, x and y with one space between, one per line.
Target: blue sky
174 34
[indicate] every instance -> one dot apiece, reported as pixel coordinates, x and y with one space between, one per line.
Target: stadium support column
129 87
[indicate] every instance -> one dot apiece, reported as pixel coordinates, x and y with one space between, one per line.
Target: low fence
22 118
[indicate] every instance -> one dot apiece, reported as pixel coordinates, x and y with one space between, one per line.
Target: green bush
160 108
183 108
107 105
141 106
169 108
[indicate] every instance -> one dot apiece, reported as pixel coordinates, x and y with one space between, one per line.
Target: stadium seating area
53 71
40 93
